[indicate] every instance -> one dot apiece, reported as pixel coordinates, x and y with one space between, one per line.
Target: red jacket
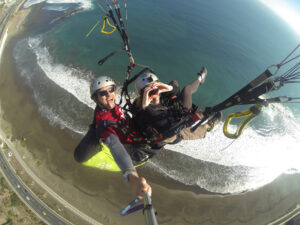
116 114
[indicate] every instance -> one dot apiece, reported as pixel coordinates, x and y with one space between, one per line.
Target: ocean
235 40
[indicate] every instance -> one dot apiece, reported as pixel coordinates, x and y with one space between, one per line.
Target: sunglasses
106 92
153 92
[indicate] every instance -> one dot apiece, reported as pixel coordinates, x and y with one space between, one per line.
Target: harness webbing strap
247 95
122 27
242 96
100 62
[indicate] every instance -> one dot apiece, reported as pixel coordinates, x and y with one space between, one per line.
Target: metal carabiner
250 114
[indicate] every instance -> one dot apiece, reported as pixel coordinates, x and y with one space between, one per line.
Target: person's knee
185 92
78 156
185 95
83 153
86 147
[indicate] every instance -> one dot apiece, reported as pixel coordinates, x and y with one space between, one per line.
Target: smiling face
106 97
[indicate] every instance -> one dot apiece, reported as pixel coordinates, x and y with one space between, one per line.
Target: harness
143 148
150 142
178 118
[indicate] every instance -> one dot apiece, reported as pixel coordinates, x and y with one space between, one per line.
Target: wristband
127 173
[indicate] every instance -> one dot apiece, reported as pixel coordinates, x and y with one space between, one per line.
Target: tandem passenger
168 113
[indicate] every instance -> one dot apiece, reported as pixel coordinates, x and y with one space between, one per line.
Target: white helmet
144 79
100 82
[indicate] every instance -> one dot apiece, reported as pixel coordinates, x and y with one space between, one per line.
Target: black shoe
214 120
202 74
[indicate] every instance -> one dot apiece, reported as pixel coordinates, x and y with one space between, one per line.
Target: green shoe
214 120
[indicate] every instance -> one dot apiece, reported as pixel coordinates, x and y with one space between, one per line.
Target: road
5 17
3 29
24 193
37 180
29 198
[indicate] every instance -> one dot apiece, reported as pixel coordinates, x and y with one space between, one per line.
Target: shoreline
28 125
212 209
13 29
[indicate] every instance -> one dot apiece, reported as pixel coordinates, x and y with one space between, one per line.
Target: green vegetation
9 221
23 144
3 184
15 201
10 214
34 156
5 147
13 209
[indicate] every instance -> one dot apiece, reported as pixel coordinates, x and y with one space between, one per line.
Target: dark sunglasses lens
105 93
102 93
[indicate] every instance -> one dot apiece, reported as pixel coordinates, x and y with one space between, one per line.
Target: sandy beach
48 151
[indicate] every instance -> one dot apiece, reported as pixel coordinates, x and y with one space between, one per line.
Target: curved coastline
102 200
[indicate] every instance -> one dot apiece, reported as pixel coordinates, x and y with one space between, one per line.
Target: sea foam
279 148
216 163
86 4
66 77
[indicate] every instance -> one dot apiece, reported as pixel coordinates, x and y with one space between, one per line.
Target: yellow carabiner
106 21
250 115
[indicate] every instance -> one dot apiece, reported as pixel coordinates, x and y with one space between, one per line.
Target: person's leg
186 134
189 90
88 146
199 133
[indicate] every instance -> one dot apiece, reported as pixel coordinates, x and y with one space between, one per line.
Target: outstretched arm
122 158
